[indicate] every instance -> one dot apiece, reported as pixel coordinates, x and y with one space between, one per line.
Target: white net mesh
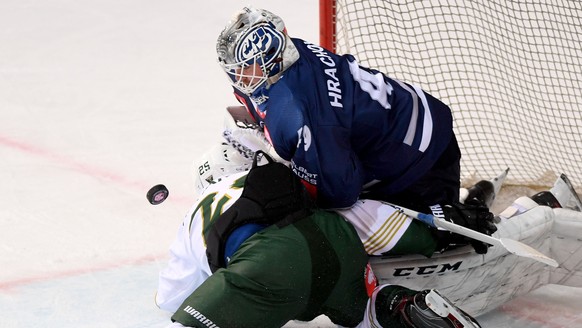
510 70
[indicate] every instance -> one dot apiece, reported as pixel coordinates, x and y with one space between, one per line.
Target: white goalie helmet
252 49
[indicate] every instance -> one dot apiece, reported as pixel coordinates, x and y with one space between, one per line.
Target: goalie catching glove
242 138
245 137
474 217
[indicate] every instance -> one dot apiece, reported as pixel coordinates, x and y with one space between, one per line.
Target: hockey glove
272 194
246 138
474 217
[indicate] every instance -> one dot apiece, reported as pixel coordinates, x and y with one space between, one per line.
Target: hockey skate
562 194
430 309
565 194
483 192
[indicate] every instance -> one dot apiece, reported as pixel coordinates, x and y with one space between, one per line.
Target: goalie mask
252 49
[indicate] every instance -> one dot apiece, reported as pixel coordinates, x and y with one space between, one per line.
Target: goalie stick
512 246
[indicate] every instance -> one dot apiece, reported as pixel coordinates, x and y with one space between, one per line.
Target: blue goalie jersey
344 127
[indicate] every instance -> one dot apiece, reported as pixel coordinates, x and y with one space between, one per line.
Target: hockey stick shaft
512 246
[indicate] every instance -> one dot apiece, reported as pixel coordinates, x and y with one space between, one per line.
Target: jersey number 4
373 83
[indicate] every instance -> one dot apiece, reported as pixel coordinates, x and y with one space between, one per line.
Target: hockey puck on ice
157 194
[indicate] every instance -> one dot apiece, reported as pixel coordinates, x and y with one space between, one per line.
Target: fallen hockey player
554 227
272 257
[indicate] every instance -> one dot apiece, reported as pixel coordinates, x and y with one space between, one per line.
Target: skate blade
565 193
445 309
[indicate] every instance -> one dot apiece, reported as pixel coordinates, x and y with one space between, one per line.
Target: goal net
511 71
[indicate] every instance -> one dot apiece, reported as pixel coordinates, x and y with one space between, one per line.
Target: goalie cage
511 72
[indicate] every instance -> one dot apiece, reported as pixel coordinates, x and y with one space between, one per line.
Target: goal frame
327 24
512 75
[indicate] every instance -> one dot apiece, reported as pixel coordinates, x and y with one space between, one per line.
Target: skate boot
428 308
565 194
561 195
483 192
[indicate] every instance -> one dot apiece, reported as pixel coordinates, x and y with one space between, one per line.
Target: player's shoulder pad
272 194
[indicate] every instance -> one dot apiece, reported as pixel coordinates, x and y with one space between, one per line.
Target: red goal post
327 24
510 70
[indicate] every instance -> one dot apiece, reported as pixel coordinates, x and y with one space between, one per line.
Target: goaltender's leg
311 267
396 306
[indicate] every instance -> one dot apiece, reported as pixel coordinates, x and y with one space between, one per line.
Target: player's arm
321 155
188 265
383 229
326 161
185 271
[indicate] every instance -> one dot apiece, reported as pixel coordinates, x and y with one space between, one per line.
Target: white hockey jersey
378 225
188 265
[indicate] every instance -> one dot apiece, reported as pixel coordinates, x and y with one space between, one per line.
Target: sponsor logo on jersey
259 100
303 174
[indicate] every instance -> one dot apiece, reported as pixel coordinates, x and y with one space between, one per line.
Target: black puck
157 194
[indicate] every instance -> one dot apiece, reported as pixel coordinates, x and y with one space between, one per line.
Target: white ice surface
100 100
